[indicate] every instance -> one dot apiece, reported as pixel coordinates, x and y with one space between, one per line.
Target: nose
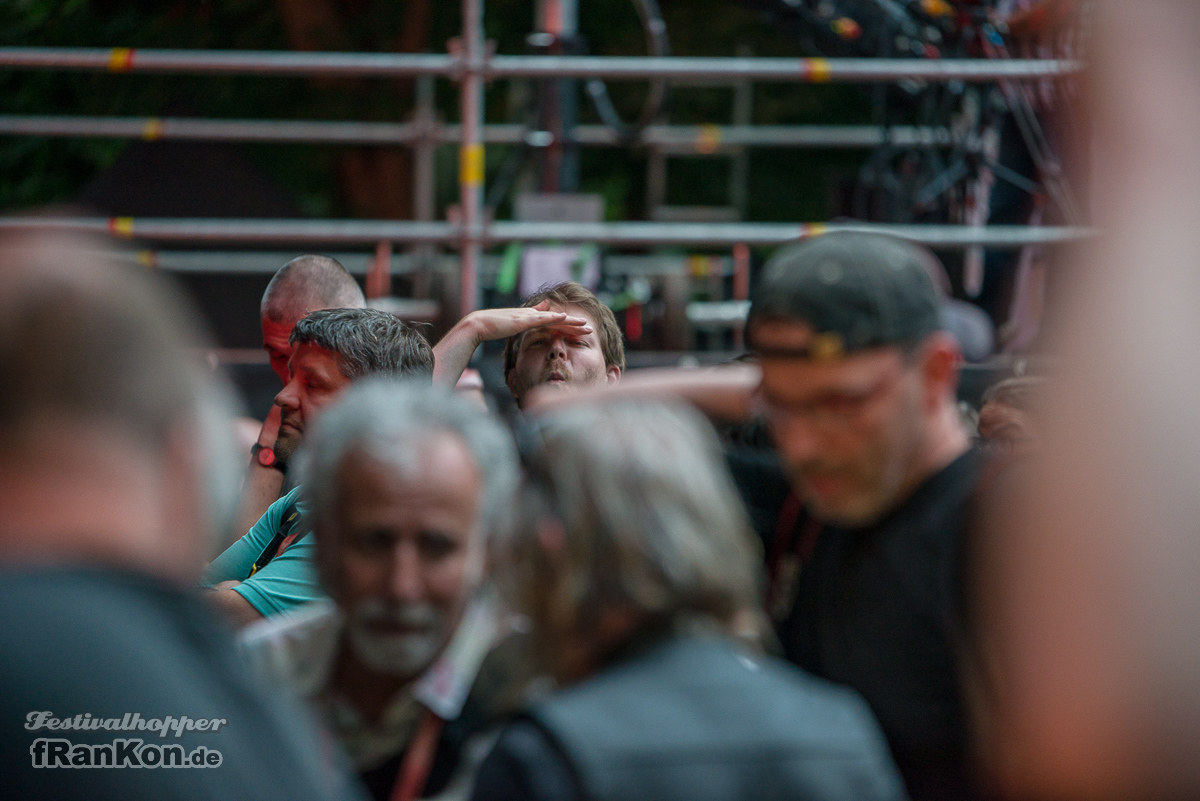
288 397
405 582
796 438
558 348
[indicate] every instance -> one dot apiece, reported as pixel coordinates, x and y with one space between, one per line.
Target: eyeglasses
830 411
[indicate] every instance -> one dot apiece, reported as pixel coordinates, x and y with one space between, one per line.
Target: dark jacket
694 718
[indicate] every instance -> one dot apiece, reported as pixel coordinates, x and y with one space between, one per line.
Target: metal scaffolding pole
628 234
803 70
382 65
471 155
228 62
164 128
674 138
471 66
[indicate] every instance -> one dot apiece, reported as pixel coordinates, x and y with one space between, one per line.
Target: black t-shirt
108 660
879 609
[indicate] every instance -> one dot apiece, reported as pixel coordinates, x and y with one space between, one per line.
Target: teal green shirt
288 580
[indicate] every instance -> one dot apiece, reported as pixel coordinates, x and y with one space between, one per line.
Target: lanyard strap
287 533
418 759
790 549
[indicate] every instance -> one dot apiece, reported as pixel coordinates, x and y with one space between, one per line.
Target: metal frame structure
628 234
469 63
672 138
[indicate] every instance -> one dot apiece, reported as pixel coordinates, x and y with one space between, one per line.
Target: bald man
305 284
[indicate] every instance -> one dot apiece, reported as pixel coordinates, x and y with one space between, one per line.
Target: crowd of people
568 604
802 575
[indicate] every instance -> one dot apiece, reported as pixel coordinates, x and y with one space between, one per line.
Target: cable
656 100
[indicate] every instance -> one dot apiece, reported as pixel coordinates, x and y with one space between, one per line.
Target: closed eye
436 545
372 540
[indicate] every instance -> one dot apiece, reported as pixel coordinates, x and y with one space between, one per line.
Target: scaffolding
469 63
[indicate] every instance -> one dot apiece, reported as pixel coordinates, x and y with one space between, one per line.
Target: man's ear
510 381
613 374
941 359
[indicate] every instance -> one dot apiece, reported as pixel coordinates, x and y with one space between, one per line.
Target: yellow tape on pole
709 139
121 226
470 165
120 59
817 70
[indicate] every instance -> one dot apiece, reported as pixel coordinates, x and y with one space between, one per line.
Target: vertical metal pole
424 182
743 115
568 101
741 285
470 156
558 112
379 272
424 151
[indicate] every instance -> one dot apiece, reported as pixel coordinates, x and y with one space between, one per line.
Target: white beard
403 655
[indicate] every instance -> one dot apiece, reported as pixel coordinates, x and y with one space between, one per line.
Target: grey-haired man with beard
406 483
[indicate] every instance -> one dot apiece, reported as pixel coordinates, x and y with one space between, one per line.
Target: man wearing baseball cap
859 387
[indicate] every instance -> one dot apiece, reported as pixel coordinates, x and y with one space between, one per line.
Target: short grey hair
650 516
385 418
367 342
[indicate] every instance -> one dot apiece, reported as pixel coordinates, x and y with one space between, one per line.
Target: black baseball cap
857 290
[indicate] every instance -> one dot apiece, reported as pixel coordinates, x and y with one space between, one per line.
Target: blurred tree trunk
375 182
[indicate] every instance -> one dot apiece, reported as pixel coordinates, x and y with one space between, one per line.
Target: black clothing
763 487
879 609
109 652
693 718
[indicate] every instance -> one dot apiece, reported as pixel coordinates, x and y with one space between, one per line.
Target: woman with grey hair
634 561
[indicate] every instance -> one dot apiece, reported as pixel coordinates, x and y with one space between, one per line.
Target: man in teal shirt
270 569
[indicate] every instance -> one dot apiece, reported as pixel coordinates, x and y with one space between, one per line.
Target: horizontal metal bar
716 137
257 262
169 128
719 313
623 234
227 62
260 262
728 234
804 70
254 231
676 138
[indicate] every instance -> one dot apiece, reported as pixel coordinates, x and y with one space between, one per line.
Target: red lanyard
418 759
